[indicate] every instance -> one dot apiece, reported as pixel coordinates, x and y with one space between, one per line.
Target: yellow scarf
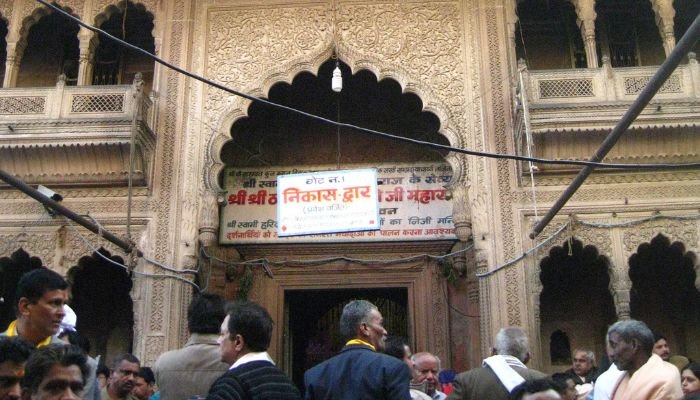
12 331
359 341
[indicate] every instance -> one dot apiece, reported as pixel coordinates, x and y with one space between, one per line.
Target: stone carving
39 244
685 231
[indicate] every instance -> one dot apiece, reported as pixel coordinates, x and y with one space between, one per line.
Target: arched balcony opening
547 37
51 49
114 64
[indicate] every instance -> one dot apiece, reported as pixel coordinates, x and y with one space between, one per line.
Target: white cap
69 320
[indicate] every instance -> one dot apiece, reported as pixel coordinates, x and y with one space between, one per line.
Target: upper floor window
50 49
626 32
114 64
547 37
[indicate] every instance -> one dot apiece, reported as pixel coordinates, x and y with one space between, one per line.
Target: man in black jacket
245 336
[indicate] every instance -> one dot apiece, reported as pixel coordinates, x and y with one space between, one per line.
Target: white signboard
414 205
327 202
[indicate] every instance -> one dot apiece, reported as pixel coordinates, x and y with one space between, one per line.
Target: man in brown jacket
501 373
190 371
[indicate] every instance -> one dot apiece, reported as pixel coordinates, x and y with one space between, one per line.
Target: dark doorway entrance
313 317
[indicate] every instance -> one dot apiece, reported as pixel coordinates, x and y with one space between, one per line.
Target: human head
661 347
14 352
55 372
427 368
566 385
362 320
144 384
246 328
690 378
206 313
102 375
72 337
40 297
584 362
631 342
538 389
512 341
125 368
396 346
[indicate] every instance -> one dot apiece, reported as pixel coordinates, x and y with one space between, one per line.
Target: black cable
661 166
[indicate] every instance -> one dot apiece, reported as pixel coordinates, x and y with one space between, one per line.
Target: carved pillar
663 9
621 285
585 13
461 214
11 65
511 17
694 73
209 219
85 64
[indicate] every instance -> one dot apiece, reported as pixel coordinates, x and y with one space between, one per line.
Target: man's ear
240 342
23 306
527 358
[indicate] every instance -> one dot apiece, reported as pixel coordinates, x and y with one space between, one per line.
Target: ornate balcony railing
607 84
72 102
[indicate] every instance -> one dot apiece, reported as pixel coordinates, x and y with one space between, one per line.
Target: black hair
394 346
147 374
43 359
205 313
35 283
102 369
124 357
533 386
658 336
76 339
693 367
14 349
252 322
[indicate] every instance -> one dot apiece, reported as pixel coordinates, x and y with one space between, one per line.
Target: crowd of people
43 358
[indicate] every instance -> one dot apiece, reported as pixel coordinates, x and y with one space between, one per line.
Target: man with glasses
125 368
13 355
360 370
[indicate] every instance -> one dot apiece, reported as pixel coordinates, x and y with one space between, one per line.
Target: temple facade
189 172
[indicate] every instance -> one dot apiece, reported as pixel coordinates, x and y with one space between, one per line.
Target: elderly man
396 346
583 372
427 368
55 372
501 373
13 355
122 378
245 336
190 371
359 371
647 376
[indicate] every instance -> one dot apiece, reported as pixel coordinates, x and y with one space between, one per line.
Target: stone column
86 53
663 9
585 13
11 65
461 214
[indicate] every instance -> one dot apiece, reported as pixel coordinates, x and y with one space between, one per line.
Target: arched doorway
664 295
11 270
101 299
314 334
269 138
576 306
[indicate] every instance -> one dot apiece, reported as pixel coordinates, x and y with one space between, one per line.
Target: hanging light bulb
337 81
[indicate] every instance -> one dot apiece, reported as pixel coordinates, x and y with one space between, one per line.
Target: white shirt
250 357
606 383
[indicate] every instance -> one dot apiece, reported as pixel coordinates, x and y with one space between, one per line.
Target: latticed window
556 88
98 103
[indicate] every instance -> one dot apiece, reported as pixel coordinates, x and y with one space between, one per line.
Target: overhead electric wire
661 166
